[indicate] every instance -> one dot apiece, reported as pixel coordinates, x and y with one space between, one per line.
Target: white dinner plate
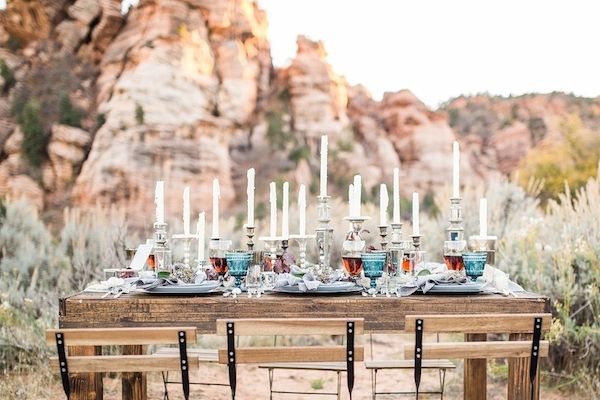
186 288
336 287
455 288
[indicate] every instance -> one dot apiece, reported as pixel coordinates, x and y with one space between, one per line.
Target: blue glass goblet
238 265
373 264
474 264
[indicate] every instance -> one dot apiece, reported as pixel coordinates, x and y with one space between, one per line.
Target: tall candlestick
285 223
273 203
396 215
302 209
383 204
215 205
455 170
159 202
415 213
350 204
250 193
200 233
186 210
323 181
357 195
483 217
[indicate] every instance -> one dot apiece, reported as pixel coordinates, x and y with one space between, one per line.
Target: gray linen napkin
426 282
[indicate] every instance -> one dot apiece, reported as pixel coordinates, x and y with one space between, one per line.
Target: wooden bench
350 353
64 364
527 324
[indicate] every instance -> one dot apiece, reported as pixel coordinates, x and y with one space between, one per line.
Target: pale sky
440 48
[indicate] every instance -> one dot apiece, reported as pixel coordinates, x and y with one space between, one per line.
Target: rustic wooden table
381 315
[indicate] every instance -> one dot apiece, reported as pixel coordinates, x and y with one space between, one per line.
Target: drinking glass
414 259
373 265
351 256
474 264
237 264
453 251
253 279
216 253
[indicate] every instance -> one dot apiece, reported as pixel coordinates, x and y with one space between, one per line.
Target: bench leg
518 374
165 378
271 383
339 385
86 386
133 383
443 383
475 385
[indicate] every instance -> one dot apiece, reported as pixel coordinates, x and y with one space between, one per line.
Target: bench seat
406 364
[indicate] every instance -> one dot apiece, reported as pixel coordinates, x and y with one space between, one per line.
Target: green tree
7 75
139 114
34 138
68 114
572 160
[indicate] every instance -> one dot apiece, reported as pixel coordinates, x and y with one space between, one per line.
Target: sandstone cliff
95 106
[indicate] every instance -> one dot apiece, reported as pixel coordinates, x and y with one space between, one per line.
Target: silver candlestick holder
383 234
250 235
302 241
161 250
455 228
324 232
357 223
187 245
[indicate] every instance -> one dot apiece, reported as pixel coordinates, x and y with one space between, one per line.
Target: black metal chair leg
62 363
231 358
350 356
418 354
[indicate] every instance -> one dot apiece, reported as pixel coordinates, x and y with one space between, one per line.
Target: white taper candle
455 170
302 209
200 233
216 196
357 195
415 213
323 180
396 213
250 193
273 204
159 202
483 230
186 210
285 222
383 204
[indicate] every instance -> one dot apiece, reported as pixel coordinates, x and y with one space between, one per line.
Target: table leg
133 383
86 386
518 374
475 379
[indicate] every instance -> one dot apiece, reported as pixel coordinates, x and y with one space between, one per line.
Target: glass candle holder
453 251
475 264
217 249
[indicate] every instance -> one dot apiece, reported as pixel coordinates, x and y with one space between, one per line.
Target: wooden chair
351 328
64 364
534 324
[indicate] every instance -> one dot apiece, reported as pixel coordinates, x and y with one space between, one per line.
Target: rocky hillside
95 106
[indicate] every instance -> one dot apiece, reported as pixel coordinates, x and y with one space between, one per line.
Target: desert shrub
300 153
277 134
32 274
100 120
573 160
68 114
92 240
139 114
14 43
7 75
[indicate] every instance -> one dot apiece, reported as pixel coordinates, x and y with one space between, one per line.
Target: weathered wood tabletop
381 315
